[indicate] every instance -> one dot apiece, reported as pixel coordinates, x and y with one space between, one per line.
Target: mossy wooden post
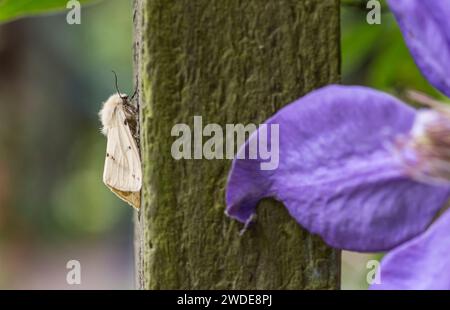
228 61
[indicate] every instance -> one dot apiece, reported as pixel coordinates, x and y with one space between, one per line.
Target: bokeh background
53 204
53 79
375 56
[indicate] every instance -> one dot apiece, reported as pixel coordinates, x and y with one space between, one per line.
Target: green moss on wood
230 62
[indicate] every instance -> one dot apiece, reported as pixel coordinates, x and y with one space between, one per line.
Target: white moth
122 172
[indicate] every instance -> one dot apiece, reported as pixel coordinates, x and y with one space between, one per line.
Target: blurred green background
375 56
53 79
53 204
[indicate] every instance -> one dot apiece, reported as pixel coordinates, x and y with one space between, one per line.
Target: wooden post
229 61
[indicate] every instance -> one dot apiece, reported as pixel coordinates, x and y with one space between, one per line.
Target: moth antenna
135 91
117 87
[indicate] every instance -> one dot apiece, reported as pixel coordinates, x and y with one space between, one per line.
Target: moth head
123 96
109 107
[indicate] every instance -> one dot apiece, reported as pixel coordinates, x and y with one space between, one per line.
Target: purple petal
337 175
421 263
426 28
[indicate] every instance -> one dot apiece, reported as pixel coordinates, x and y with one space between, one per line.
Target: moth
122 173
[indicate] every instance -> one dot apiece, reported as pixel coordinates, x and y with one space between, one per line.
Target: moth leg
132 119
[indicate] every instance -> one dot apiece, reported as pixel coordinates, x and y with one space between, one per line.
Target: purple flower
421 263
425 26
364 170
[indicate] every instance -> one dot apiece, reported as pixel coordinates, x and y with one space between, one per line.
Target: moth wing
132 198
122 171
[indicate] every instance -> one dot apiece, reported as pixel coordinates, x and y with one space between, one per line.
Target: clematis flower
364 170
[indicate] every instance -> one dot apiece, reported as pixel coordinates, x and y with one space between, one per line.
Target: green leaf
12 9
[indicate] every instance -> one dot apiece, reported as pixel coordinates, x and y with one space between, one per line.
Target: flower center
426 150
